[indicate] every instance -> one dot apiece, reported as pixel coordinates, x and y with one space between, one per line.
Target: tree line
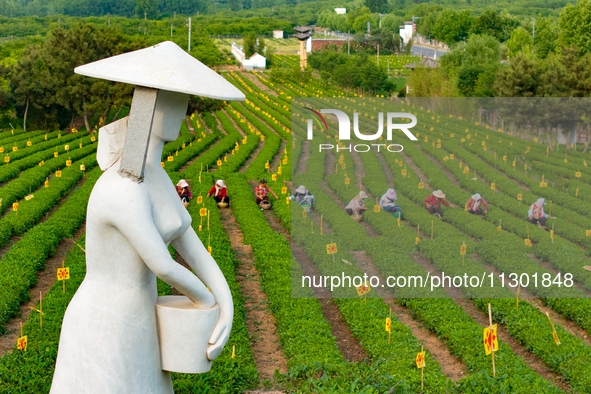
550 61
42 92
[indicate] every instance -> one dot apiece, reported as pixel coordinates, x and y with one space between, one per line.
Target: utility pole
171 29
189 46
349 43
378 54
145 15
533 28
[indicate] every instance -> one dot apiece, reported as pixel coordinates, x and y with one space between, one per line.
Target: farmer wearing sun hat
477 205
303 195
219 192
434 201
536 214
356 205
182 188
388 201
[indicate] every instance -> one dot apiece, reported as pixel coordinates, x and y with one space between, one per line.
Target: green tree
451 26
392 22
56 91
270 56
427 14
249 44
380 6
390 41
546 37
494 24
520 41
234 5
426 82
575 22
475 63
146 9
28 79
522 78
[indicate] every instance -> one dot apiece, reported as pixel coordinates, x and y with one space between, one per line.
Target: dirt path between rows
302 166
346 342
278 155
414 167
192 160
253 155
220 126
451 366
260 322
252 78
190 126
260 119
238 129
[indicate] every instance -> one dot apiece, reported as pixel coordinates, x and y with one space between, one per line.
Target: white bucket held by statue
183 332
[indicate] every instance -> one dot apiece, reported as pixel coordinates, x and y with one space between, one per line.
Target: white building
407 31
278 34
255 61
340 11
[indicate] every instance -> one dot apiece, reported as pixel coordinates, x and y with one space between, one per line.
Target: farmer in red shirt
434 201
262 190
477 205
219 192
183 190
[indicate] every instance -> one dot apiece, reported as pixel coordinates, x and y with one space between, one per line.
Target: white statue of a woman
109 341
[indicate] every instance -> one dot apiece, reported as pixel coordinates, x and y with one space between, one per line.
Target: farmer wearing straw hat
356 205
302 195
219 192
182 189
388 201
477 205
434 201
536 214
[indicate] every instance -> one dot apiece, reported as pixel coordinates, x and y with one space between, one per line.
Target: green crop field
340 344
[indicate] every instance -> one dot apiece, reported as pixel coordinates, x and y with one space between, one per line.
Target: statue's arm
132 216
190 247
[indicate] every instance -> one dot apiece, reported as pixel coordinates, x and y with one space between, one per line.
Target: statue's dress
109 338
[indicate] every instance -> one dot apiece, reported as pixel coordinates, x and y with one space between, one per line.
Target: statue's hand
203 300
220 334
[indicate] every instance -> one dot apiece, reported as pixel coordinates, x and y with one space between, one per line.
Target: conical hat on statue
164 66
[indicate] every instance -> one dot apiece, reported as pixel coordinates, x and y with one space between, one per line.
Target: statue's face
171 108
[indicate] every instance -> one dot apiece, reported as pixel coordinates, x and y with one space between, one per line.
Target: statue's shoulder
112 190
